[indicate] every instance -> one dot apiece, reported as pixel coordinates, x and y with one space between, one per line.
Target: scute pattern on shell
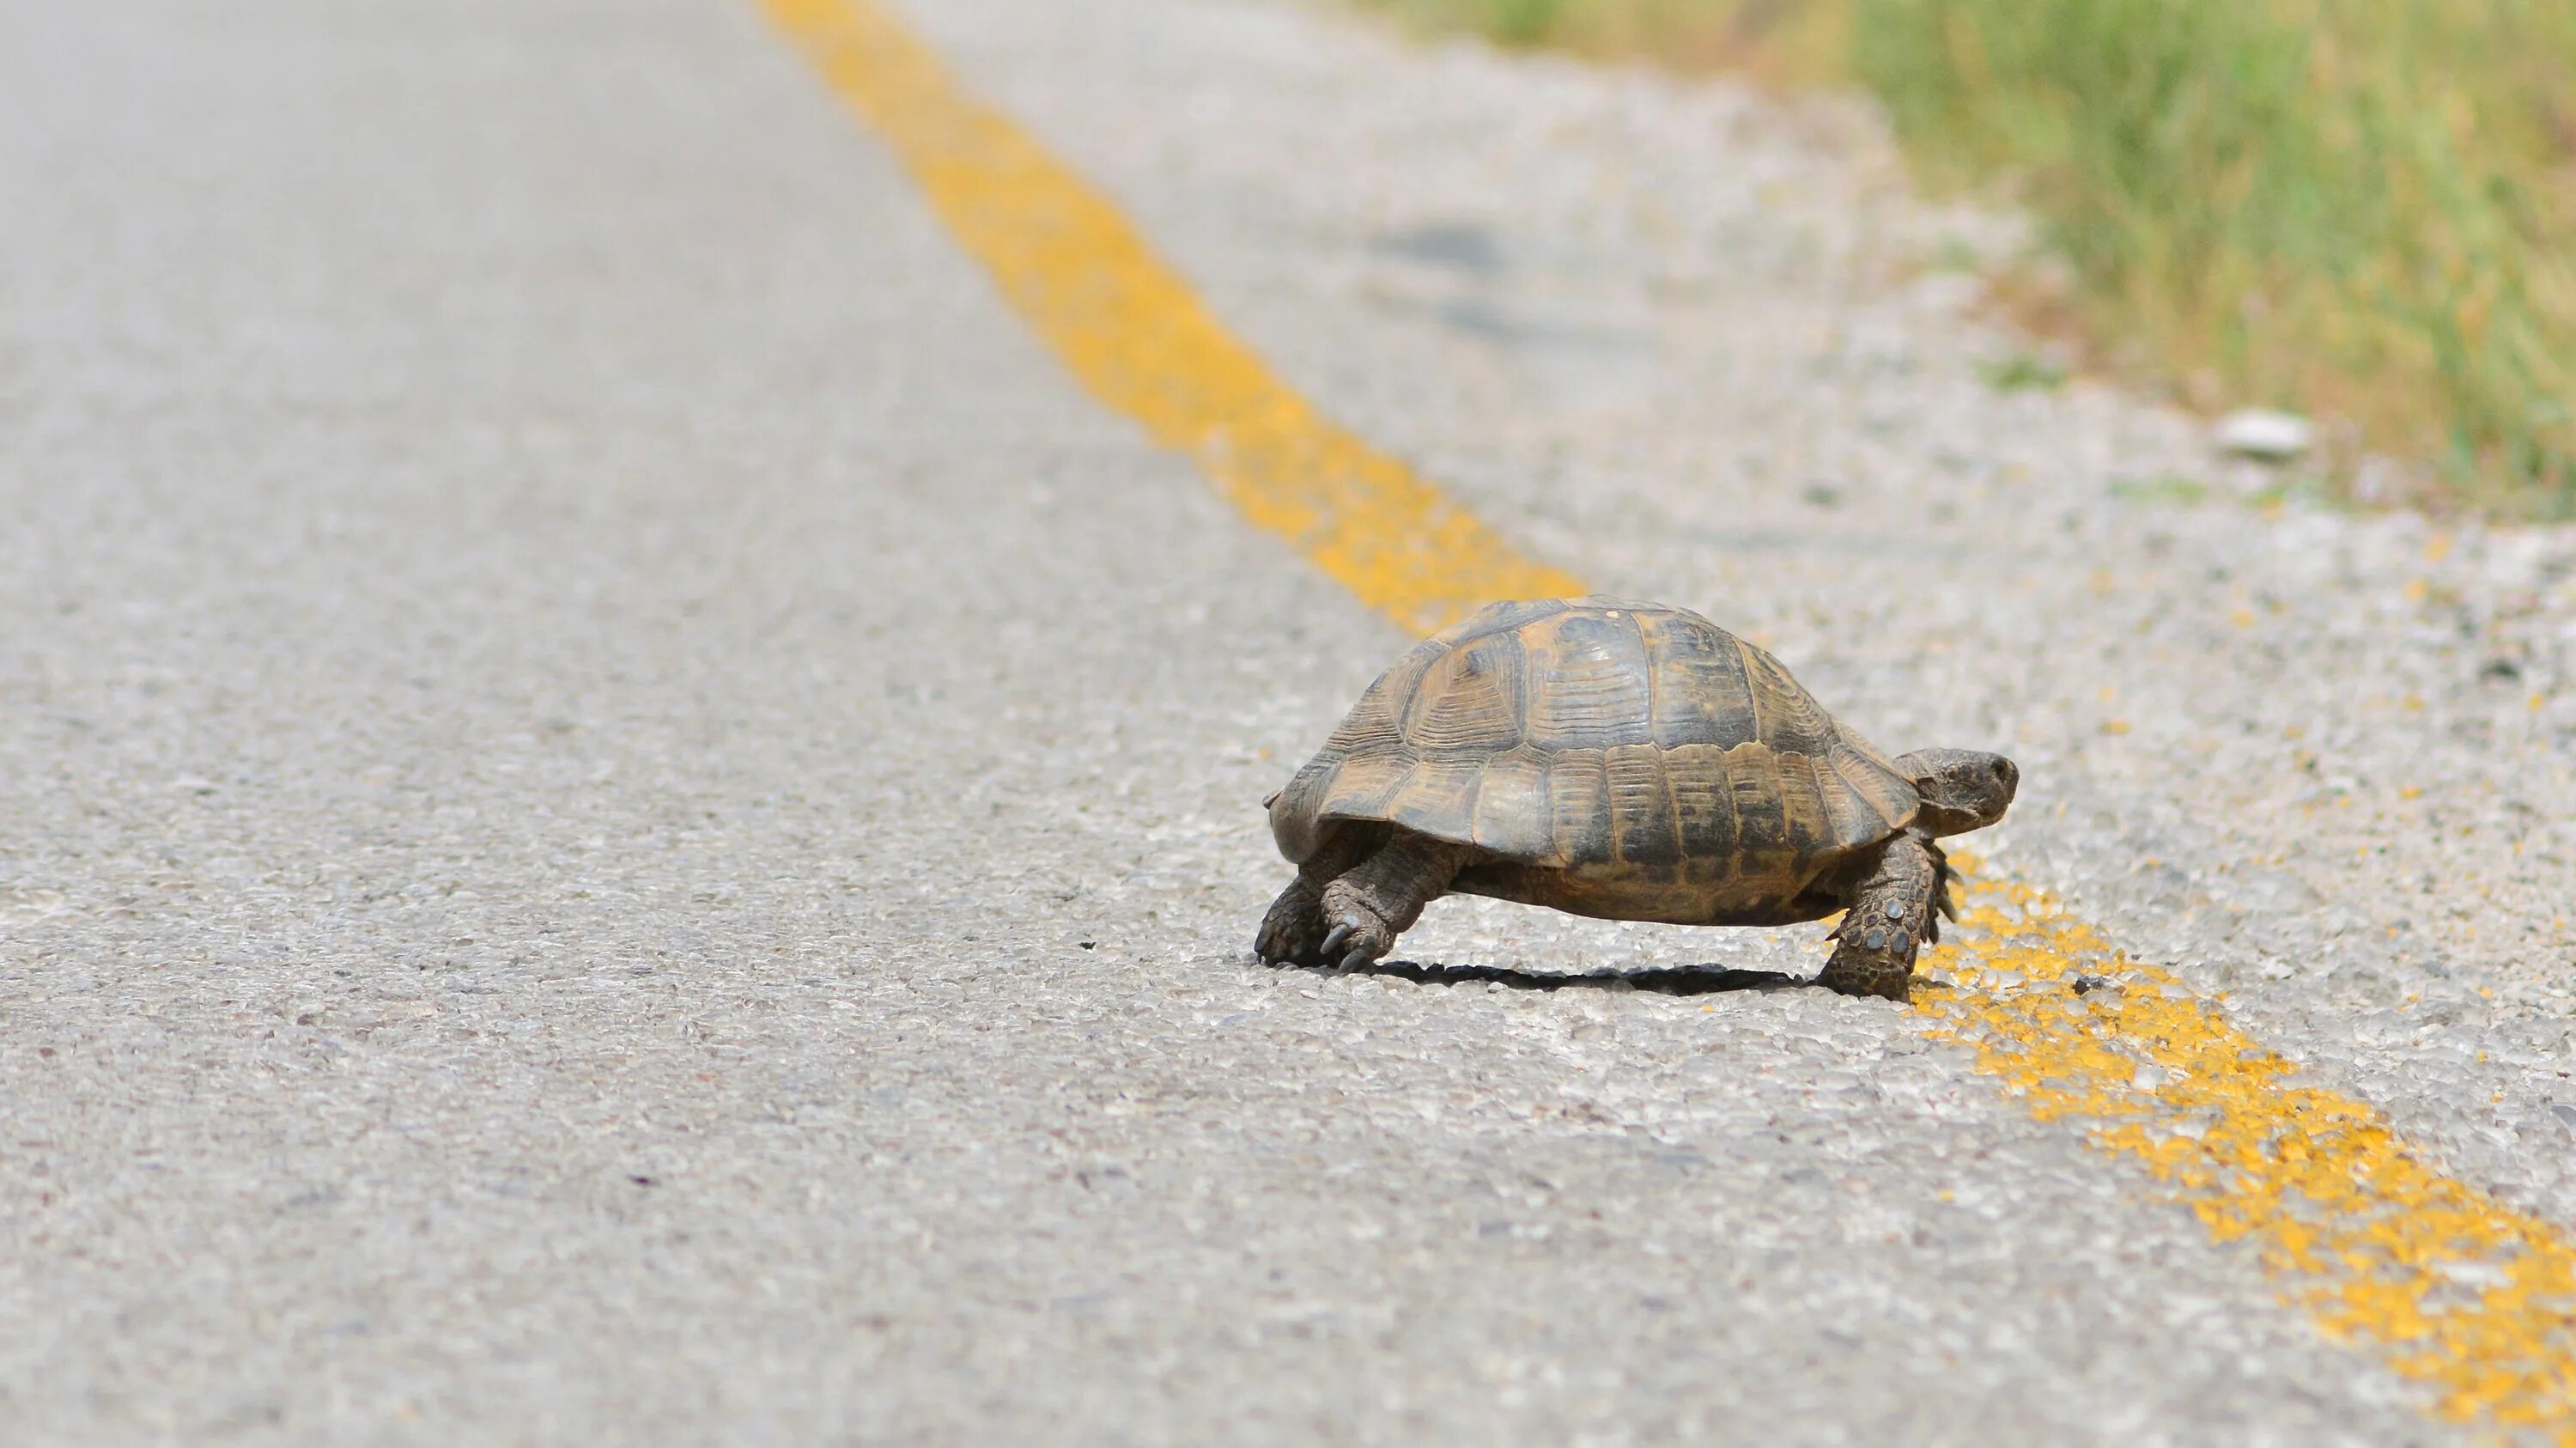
1640 746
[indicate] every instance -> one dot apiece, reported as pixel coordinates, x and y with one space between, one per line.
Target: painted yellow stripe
1144 344
2451 1288
2454 1289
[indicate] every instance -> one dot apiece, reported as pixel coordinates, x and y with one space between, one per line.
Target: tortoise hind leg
1889 916
1379 899
1293 931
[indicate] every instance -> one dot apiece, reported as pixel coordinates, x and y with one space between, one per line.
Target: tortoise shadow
1684 980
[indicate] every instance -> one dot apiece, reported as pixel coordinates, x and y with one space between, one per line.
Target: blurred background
2361 211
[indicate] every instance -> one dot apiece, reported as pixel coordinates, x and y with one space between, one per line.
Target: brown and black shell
1607 758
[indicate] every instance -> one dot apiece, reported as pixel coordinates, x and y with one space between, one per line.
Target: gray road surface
623 818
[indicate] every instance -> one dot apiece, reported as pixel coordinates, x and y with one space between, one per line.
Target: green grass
2169 490
2022 371
2358 209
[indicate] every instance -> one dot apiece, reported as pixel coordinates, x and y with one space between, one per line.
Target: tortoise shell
1608 758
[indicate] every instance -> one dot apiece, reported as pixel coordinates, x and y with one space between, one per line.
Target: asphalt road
624 817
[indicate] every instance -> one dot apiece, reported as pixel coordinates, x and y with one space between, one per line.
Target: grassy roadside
2364 210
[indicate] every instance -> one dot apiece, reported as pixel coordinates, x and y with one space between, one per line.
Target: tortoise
1625 761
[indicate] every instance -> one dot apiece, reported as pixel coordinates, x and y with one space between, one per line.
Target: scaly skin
1372 904
1889 918
1292 933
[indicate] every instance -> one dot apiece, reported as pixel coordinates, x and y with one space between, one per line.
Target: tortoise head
1962 789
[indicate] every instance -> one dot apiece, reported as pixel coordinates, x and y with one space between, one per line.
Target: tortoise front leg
1380 899
1294 929
1888 916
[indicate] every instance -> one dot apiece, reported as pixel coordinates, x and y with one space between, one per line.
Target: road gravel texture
624 818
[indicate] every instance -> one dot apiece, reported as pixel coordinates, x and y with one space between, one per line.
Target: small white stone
2257 432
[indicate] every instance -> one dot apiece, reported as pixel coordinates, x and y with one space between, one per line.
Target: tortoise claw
1356 944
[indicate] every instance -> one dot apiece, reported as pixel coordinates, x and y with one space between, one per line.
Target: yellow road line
1140 339
2455 1290
2451 1288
